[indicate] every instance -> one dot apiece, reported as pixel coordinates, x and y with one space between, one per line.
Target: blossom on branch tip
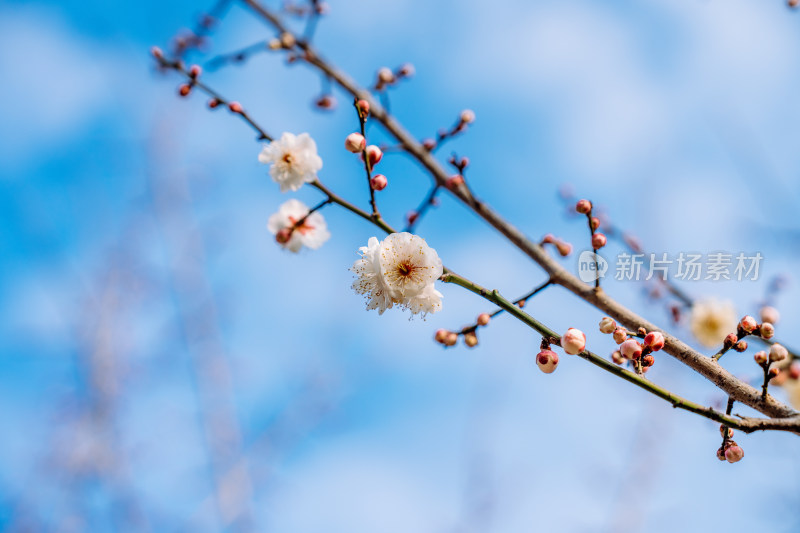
374 154
293 160
573 341
710 321
607 325
654 340
777 353
400 270
631 349
483 319
312 233
355 143
547 361
766 330
378 182
748 324
583 207
467 116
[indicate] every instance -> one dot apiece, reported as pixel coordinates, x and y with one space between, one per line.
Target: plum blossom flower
312 233
400 270
293 160
711 321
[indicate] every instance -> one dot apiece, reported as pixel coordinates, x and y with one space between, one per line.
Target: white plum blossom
400 270
293 160
711 321
312 233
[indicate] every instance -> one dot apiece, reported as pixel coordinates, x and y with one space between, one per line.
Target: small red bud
184 89
406 70
483 319
631 349
411 217
730 340
452 338
654 340
564 248
583 206
794 370
648 361
363 107
374 154
734 453
441 336
429 144
760 357
748 324
773 372
740 346
617 357
595 223
620 335
326 102
235 107
598 241
195 71
455 181
156 52
213 103
284 235
378 182
722 431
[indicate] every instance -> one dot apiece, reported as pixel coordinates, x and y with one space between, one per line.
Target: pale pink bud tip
547 361
583 206
760 357
734 453
598 241
574 341
770 314
406 70
607 325
441 336
767 330
654 340
455 181
595 223
631 349
748 324
184 89
355 143
374 154
564 248
378 182
452 338
156 52
385 75
235 107
778 353
468 116
483 319
620 335
363 107
195 71
284 235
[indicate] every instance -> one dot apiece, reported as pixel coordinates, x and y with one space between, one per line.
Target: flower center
287 158
302 228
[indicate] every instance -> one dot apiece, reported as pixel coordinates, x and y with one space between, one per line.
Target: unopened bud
411 217
654 340
452 338
326 101
723 429
721 453
595 222
617 357
773 372
573 341
213 103
385 75
156 52
470 339
620 335
406 70
648 361
794 370
631 349
184 89
607 325
363 107
760 357
378 182
583 206
547 361
483 319
734 453
467 116
455 181
441 336
288 40
564 248
374 155
284 235
235 107
429 144
767 330
777 353
793 3
355 143
195 71
770 314
548 239
740 346
748 324
598 241
730 340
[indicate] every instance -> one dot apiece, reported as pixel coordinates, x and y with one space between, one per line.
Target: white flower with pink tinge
711 321
312 233
293 160
400 270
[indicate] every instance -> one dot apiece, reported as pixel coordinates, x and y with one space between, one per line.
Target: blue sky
135 256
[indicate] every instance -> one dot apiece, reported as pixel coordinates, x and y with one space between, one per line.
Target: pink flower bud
470 339
213 103
595 223
411 217
378 182
648 361
583 206
429 144
740 346
235 107
574 341
767 330
483 319
355 143
770 314
748 324
654 340
363 107
760 357
598 241
631 349
156 52
607 325
452 338
441 336
730 340
385 75
184 89
284 235
564 248
620 335
617 357
794 370
195 71
455 181
326 101
374 155
547 361
773 372
777 353
734 453
721 453
467 116
406 70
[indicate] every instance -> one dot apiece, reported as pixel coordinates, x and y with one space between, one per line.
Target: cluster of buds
450 338
386 77
777 354
564 248
460 163
747 326
599 240
193 73
285 40
630 349
356 143
729 451
465 118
